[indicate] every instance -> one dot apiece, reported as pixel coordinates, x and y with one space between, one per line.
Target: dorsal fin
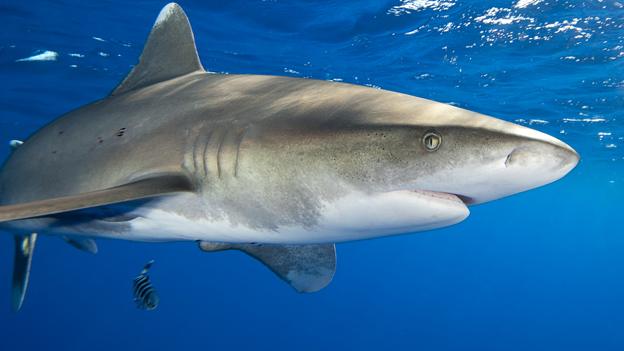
168 53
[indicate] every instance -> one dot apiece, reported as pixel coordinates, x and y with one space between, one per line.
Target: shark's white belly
353 217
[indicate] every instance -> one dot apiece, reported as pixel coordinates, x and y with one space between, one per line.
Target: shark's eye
432 141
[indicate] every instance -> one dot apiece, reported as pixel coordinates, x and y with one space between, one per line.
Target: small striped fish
145 295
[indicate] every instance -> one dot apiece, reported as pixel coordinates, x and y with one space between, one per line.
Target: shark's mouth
466 200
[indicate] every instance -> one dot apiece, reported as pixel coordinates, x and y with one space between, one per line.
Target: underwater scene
195 205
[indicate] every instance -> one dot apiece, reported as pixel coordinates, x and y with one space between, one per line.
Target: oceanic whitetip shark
280 168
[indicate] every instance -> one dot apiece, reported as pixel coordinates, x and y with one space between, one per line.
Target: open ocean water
542 270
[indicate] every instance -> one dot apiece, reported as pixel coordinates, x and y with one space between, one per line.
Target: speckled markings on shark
280 168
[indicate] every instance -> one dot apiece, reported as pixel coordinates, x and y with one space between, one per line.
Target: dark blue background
540 270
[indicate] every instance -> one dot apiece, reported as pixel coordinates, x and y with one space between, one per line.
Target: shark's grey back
169 116
150 130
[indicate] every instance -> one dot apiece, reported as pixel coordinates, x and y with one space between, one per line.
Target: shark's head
440 148
413 164
483 159
381 141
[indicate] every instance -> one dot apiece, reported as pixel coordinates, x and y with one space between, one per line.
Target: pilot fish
145 295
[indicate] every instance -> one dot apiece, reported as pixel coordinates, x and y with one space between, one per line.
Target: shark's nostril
508 159
522 157
545 157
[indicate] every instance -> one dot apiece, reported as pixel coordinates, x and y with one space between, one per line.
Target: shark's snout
534 160
568 156
495 159
544 156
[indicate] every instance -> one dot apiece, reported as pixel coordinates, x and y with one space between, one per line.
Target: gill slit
205 152
238 146
195 146
221 142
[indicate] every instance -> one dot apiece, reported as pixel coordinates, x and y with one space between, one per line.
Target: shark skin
179 154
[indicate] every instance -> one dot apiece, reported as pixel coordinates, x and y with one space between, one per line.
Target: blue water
542 270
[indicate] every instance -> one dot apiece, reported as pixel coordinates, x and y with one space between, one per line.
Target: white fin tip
166 12
15 143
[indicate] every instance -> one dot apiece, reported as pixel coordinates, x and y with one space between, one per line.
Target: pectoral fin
149 187
82 243
307 268
24 247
